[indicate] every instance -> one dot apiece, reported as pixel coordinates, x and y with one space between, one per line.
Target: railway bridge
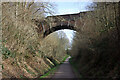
68 21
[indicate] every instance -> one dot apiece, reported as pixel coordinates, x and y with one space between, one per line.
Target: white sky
70 8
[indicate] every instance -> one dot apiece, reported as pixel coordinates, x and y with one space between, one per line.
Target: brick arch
56 28
68 21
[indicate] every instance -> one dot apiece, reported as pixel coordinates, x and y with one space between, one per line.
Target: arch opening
63 33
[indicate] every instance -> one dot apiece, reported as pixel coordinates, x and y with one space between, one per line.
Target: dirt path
64 71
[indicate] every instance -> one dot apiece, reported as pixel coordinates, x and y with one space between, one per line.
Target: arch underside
53 29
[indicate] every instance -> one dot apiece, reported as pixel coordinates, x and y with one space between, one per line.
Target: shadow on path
65 70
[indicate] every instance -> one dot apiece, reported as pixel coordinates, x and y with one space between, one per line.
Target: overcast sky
70 8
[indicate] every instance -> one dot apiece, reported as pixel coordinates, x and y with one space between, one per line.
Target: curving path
64 71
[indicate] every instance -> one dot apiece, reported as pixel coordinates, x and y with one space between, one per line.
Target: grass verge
64 58
52 70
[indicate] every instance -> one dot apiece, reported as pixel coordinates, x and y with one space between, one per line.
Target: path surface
65 70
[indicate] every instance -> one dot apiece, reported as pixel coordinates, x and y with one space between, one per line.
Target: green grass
65 58
52 70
